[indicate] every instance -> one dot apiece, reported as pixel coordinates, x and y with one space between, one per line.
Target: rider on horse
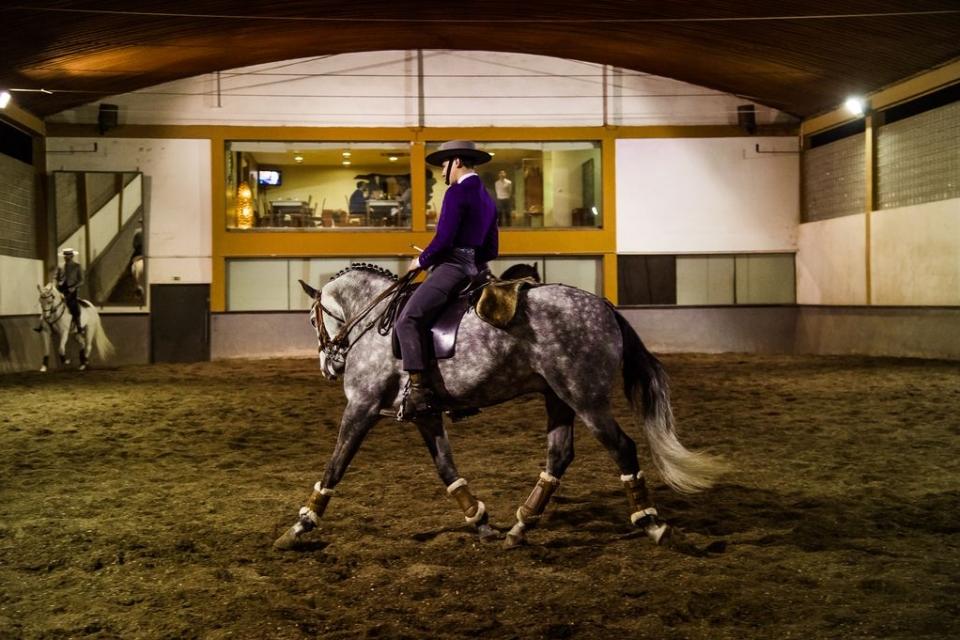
465 240
69 277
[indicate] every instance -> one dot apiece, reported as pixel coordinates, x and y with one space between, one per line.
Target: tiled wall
834 182
918 158
17 203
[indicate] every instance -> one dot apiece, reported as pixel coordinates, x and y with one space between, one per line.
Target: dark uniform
69 277
466 239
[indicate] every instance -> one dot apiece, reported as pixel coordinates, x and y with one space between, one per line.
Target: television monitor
268 177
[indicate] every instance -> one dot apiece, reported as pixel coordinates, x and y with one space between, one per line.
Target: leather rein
337 347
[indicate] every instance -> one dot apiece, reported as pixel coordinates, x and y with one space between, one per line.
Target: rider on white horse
69 278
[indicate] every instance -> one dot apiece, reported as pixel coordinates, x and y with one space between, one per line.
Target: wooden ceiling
784 54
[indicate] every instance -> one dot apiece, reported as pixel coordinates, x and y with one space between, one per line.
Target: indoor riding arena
769 197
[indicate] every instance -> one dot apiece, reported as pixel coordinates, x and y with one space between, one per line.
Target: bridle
336 348
49 312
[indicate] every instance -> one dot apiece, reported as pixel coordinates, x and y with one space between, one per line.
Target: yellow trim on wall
228 244
19 116
902 91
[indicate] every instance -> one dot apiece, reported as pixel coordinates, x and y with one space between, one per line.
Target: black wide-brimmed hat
458 149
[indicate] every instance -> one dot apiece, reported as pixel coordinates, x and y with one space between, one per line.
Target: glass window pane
583 273
647 279
535 184
316 272
318 185
765 279
705 280
257 285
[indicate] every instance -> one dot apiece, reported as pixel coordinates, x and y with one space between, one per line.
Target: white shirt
504 189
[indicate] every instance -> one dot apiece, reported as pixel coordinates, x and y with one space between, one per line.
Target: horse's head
335 305
49 297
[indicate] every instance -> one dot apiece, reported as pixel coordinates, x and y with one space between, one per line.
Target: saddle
494 301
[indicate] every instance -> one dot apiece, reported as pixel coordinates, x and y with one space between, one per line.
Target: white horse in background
56 319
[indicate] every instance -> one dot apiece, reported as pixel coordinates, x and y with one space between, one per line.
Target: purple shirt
468 218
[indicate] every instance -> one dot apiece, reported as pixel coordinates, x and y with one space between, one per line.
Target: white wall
707 195
915 254
18 289
177 197
461 88
914 257
832 261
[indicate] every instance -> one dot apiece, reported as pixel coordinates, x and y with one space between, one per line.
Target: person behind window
358 200
465 240
504 189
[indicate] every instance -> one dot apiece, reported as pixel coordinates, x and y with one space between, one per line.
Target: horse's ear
310 291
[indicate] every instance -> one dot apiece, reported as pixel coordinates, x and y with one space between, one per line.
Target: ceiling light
491 153
393 158
298 159
346 163
4 99
346 154
855 105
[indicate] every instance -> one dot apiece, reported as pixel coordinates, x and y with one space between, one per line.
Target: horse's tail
101 343
647 388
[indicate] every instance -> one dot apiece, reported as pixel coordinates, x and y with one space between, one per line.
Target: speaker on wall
108 117
747 118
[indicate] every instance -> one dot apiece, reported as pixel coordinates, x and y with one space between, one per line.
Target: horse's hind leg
354 427
623 450
559 456
474 511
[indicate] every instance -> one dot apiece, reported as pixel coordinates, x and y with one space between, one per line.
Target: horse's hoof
288 541
83 367
487 533
513 541
660 532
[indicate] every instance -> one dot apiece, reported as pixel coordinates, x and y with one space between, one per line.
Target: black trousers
73 304
413 326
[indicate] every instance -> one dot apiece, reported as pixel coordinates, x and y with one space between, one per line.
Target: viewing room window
535 184
318 185
708 279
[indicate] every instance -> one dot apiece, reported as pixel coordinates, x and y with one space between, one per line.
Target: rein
61 306
338 346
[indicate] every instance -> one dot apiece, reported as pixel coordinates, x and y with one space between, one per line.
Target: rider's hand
414 264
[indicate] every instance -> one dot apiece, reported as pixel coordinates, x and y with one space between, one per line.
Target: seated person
358 200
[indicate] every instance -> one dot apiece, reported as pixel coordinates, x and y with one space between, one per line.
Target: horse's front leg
474 511
45 334
354 426
62 350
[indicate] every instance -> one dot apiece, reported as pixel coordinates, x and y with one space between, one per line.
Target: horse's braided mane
371 268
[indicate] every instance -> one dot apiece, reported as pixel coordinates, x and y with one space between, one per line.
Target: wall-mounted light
855 106
346 163
298 159
393 158
346 154
244 206
4 99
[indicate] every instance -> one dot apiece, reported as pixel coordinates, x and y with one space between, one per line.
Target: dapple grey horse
564 343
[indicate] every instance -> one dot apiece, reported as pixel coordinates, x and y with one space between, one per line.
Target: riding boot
418 400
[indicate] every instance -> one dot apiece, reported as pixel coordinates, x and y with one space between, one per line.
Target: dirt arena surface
142 503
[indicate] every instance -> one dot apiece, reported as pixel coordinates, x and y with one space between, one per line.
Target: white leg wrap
481 509
549 478
310 514
516 531
649 511
459 482
627 477
322 490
